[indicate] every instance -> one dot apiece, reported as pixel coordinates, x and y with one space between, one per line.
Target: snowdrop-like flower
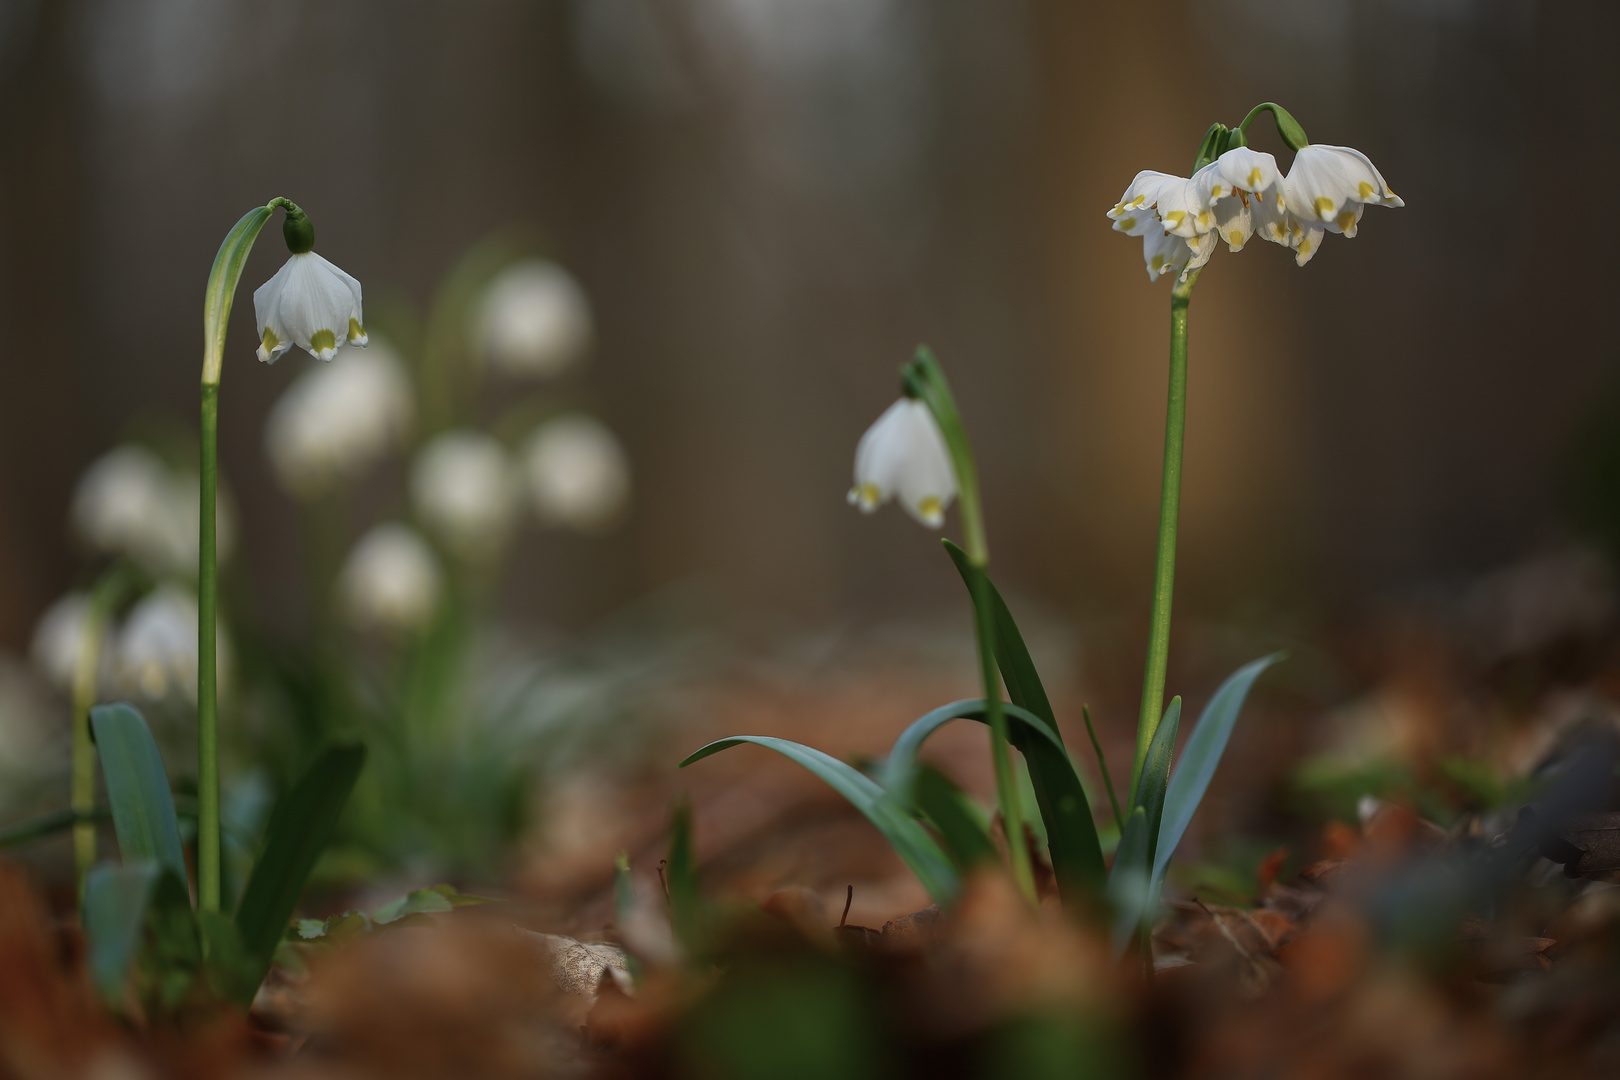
1331 185
130 503
59 640
462 489
155 653
309 303
391 580
577 474
903 454
534 320
336 421
1175 219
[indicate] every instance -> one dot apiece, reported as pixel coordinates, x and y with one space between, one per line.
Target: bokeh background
771 202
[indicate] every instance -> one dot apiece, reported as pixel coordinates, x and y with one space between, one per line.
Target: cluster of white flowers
337 420
534 320
152 654
129 502
903 454
1243 193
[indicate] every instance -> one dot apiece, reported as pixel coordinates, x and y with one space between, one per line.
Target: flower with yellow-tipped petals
309 303
903 455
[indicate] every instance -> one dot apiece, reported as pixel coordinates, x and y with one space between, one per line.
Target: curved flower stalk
309 303
1234 192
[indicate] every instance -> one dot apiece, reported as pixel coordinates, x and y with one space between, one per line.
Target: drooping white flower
128 502
391 580
577 473
155 654
59 640
534 320
335 421
462 489
309 303
1331 185
904 455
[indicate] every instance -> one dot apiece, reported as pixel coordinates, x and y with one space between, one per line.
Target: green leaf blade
1200 757
914 846
114 908
300 826
956 818
137 788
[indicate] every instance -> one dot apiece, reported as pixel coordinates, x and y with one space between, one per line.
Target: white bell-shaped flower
391 580
462 490
335 421
155 655
59 642
534 320
904 455
577 474
129 502
1330 185
309 303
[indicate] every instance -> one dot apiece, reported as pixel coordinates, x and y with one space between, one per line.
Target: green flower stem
1164 570
221 291
104 597
924 379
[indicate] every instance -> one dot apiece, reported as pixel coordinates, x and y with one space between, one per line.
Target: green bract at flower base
332 299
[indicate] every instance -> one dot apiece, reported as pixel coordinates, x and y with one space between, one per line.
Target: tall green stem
217 298
924 378
1164 569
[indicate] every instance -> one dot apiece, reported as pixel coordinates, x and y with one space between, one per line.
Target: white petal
462 490
1234 221
904 454
1164 253
1143 192
310 299
1248 169
1184 209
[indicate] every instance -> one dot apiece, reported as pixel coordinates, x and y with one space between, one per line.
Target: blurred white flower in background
155 651
391 580
128 502
336 420
903 454
463 491
534 321
577 474
309 303
59 640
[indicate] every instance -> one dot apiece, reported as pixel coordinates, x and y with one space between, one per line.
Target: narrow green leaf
300 826
1012 655
1202 754
137 788
960 829
1071 834
221 290
1156 771
914 846
1128 880
114 913
685 898
1102 767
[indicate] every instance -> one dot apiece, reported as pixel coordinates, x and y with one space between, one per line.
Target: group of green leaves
941 835
137 913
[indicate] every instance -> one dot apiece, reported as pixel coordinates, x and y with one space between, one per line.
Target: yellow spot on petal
867 495
1138 201
1173 218
1254 177
1203 219
1304 247
1366 189
270 340
1324 207
1127 224
1217 191
1235 238
931 510
323 341
1158 263
1347 220
357 333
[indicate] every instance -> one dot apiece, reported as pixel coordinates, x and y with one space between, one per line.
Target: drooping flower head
1236 192
534 320
577 473
309 303
903 455
335 422
462 490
